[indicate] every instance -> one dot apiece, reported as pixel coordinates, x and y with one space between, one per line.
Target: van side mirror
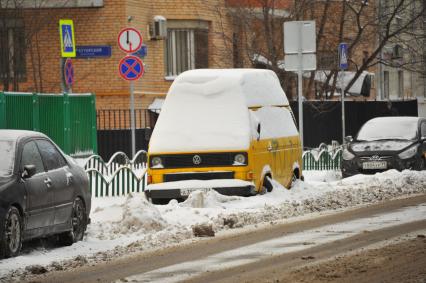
29 171
348 139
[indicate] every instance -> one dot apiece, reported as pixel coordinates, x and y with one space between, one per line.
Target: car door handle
48 182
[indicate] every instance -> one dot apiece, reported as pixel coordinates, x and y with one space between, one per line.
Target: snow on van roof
259 87
207 109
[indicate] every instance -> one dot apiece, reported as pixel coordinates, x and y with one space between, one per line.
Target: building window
186 48
12 51
386 84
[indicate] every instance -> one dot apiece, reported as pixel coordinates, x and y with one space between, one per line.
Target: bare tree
367 29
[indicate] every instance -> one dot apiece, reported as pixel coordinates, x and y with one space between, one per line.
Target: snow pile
211 199
134 216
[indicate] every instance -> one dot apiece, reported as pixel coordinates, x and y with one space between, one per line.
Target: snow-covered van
229 130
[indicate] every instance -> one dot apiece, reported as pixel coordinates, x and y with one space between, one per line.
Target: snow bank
133 216
121 226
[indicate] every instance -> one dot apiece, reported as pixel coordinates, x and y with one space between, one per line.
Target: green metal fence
68 119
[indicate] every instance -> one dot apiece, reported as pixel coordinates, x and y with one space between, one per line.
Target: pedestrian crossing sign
66 30
343 56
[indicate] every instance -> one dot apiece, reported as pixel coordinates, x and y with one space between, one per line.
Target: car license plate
374 165
187 192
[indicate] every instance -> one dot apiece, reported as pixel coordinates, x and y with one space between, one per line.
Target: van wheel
11 240
266 185
295 176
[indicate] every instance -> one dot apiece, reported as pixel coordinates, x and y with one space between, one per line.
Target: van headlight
347 155
156 162
408 153
240 159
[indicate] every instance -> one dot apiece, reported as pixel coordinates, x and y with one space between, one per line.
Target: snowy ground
124 225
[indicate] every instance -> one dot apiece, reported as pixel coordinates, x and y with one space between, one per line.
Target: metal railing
115 119
323 158
121 176
117 177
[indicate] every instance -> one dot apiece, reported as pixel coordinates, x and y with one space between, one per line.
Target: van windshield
7 153
202 115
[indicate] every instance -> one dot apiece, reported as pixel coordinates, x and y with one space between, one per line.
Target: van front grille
198 160
198 176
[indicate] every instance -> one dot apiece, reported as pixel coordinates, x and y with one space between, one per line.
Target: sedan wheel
11 240
79 224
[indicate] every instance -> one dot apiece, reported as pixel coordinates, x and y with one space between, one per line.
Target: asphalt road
277 253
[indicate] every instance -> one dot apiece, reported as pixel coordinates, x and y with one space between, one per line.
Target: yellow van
229 130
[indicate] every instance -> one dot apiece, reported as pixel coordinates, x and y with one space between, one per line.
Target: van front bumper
182 189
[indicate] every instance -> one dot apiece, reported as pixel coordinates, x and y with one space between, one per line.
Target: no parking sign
131 68
69 72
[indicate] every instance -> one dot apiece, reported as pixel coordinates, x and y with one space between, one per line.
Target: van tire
295 176
267 185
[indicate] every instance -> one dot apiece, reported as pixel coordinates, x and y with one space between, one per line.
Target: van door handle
48 182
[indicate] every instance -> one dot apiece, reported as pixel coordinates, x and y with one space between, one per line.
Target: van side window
276 122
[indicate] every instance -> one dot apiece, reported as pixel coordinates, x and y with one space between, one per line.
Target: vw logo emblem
196 160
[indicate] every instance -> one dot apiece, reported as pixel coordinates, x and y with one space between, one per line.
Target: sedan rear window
389 128
7 155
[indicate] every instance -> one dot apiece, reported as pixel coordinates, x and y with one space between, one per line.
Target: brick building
195 34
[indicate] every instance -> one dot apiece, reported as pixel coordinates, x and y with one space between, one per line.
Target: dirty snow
124 225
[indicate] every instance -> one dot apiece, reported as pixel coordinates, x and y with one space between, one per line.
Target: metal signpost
300 49
343 65
131 68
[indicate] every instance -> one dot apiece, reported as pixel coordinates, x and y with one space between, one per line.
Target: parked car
386 143
43 192
232 130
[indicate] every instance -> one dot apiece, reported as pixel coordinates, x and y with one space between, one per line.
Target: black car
43 192
386 143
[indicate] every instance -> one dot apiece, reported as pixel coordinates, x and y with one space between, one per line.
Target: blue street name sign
343 56
142 52
93 51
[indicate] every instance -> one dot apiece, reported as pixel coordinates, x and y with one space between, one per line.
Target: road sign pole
132 119
343 65
342 88
300 85
62 75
